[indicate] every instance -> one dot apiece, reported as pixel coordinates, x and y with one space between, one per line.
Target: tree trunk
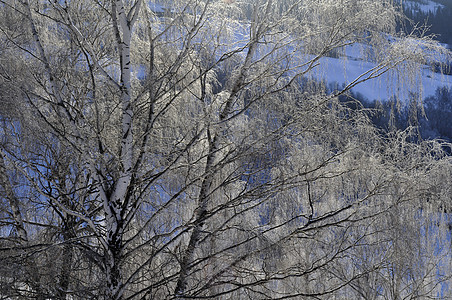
67 257
204 193
201 213
13 202
117 205
29 264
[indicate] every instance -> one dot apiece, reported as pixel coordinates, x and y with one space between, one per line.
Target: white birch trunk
116 206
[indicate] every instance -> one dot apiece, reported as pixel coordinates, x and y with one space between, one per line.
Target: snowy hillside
351 63
424 6
345 69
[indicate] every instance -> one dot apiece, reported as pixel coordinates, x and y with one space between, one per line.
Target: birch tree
186 151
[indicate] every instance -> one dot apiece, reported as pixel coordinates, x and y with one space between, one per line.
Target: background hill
437 15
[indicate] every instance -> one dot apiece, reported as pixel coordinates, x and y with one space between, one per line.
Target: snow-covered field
344 70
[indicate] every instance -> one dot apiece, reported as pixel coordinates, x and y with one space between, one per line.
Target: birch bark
116 206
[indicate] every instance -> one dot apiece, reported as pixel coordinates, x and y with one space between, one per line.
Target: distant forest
437 21
432 121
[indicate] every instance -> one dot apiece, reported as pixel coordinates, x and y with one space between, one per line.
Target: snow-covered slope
351 64
345 69
424 6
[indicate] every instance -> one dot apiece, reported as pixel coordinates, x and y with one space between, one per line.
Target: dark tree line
437 21
431 118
